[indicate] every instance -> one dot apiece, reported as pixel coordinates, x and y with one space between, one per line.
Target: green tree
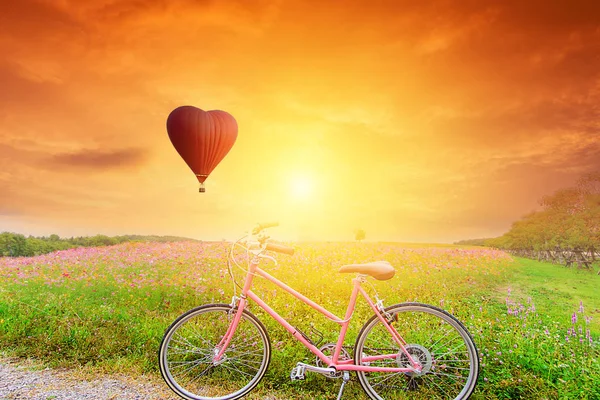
360 234
568 223
12 244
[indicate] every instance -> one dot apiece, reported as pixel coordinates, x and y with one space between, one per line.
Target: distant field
537 326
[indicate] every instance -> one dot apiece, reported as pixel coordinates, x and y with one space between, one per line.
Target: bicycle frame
334 361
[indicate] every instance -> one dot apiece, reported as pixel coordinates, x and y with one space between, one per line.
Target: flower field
106 309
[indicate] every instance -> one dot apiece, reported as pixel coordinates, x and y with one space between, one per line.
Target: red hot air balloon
202 138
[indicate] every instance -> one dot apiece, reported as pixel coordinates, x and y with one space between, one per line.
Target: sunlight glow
301 188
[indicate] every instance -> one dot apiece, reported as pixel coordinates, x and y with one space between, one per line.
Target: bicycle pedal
297 374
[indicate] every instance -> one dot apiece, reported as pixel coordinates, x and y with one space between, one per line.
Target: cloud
550 15
587 158
7 204
400 104
31 20
98 160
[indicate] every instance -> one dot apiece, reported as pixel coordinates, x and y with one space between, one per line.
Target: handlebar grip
280 248
264 225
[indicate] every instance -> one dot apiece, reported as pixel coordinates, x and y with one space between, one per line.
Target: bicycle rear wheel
190 343
438 340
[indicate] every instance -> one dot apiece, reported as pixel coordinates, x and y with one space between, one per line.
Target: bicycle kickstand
345 379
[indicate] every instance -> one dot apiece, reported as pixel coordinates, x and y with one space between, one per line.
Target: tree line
17 245
566 230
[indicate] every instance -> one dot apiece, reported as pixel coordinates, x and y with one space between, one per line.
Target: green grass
535 332
105 310
554 286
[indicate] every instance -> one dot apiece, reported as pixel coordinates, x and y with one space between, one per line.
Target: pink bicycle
404 351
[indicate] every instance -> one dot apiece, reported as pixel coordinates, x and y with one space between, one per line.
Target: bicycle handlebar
280 248
262 226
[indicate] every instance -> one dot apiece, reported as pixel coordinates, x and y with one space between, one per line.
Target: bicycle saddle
380 270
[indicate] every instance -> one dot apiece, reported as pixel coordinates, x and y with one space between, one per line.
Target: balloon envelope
202 138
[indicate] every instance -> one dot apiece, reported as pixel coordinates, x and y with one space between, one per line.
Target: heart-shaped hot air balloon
202 138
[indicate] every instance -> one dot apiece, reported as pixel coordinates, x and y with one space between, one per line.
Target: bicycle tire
188 346
441 342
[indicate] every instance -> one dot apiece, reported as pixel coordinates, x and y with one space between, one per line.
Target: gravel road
22 380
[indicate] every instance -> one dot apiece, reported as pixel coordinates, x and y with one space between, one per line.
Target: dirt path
25 380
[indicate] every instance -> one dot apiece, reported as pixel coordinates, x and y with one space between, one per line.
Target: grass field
537 326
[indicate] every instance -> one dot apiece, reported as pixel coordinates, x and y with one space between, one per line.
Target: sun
301 187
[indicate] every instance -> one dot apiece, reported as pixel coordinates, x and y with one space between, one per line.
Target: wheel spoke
434 339
232 367
190 345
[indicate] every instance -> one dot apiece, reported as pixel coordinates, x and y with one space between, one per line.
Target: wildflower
574 318
581 307
279 345
588 335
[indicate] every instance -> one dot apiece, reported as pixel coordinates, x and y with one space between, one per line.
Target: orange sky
416 121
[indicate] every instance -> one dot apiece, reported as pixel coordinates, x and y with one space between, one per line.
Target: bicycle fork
220 348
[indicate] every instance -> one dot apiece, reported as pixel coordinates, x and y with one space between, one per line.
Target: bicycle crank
300 368
328 350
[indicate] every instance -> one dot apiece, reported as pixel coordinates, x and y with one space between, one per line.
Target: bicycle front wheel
190 343
434 338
